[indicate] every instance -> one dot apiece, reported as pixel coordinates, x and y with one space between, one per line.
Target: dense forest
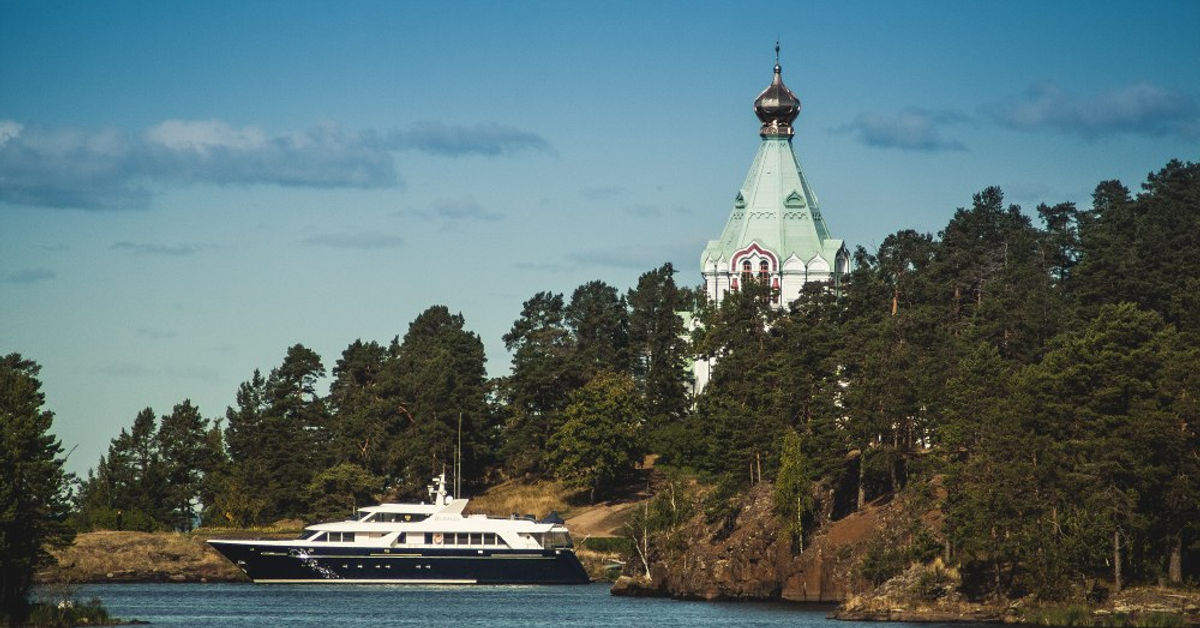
1040 374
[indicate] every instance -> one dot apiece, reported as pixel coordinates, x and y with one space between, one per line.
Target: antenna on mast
458 461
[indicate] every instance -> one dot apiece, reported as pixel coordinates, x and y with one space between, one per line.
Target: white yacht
422 543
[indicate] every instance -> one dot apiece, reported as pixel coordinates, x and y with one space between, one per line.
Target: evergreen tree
659 347
599 324
1099 396
737 421
33 485
242 497
888 360
276 440
129 488
188 455
541 379
365 419
294 430
439 377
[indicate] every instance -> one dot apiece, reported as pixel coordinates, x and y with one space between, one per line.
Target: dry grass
538 499
110 556
284 528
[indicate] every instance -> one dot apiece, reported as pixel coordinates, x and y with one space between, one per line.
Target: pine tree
659 348
541 379
365 419
599 324
438 377
33 485
188 455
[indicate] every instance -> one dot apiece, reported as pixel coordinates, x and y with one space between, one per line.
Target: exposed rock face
755 561
110 556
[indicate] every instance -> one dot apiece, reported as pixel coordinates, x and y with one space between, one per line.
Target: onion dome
777 107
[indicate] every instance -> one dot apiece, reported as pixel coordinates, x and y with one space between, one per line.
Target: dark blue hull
275 563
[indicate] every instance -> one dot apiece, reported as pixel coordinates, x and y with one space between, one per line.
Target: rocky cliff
755 559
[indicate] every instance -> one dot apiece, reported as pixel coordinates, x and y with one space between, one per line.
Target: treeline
592 378
1038 381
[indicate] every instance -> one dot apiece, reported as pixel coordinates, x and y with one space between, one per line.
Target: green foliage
722 506
890 553
599 441
606 544
33 485
276 437
794 501
69 613
540 382
1074 615
188 455
437 378
599 322
335 493
658 346
365 420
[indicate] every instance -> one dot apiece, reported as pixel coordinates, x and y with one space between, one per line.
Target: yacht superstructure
429 543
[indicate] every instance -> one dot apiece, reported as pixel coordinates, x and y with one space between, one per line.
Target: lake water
254 606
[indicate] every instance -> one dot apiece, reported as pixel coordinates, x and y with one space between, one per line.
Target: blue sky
187 189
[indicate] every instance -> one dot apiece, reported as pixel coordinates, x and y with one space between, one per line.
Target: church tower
775 233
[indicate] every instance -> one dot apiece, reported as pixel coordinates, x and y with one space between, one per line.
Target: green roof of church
775 207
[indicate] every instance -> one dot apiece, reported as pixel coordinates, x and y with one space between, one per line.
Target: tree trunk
892 475
1175 564
862 472
1117 560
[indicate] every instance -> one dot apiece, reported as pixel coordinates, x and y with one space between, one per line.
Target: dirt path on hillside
600 520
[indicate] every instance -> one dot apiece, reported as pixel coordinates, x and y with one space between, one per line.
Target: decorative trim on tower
750 252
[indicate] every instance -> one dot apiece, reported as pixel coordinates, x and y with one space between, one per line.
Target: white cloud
9 130
109 169
1139 108
203 135
911 129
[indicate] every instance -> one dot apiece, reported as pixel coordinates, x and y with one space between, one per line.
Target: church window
747 273
763 270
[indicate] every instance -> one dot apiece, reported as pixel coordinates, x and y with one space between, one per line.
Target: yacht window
397 517
340 537
476 538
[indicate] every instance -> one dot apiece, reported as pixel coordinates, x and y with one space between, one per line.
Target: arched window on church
764 271
747 272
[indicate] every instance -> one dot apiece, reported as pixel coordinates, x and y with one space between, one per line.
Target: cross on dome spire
777 107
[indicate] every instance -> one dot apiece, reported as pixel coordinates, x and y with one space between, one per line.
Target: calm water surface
253 606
